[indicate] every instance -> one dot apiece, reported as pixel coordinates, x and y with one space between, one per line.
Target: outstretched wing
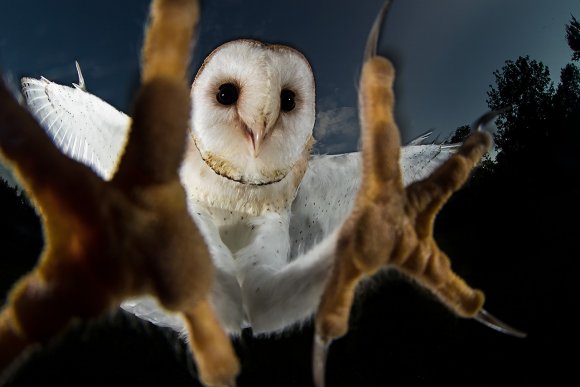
328 189
91 131
83 126
419 160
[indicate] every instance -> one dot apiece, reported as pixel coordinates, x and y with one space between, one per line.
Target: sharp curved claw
320 350
492 322
485 119
373 39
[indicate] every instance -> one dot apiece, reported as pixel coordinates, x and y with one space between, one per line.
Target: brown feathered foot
132 236
392 225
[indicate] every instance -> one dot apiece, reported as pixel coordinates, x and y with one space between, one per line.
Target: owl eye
287 102
227 94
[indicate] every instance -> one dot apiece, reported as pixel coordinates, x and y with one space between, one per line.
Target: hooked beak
255 138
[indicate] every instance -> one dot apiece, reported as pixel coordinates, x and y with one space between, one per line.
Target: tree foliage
525 86
573 37
460 134
567 97
543 121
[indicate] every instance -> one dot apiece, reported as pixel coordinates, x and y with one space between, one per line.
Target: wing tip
420 140
81 85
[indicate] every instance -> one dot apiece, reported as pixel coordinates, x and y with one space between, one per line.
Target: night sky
445 51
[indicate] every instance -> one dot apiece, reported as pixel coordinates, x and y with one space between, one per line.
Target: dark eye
227 94
287 100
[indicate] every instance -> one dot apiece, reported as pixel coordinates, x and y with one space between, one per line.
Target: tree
526 87
567 97
460 134
565 122
573 37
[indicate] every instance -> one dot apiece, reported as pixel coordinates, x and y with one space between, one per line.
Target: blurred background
510 231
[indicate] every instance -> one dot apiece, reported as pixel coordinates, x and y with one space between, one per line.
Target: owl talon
319 354
492 322
486 118
373 38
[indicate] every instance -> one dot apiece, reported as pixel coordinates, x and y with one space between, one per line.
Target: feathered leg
391 225
106 241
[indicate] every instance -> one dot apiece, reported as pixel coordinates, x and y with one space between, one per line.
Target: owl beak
255 139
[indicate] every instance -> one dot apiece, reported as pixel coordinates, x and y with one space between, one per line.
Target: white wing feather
419 160
83 126
147 308
327 192
324 199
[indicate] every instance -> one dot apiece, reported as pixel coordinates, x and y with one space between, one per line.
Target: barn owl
267 207
269 211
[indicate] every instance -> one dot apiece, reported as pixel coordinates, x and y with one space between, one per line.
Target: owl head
253 111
